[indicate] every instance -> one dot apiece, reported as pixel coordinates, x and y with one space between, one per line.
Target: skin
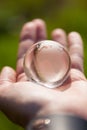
22 100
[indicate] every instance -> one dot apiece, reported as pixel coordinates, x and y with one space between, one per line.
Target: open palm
22 100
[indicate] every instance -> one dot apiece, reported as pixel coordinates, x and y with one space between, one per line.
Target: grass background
70 15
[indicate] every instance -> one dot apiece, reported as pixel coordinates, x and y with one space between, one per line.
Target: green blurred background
70 15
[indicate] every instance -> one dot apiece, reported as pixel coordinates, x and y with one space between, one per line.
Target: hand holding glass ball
47 63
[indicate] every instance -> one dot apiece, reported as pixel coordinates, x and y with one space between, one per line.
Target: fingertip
40 29
74 33
7 75
8 69
59 31
74 37
28 32
59 35
28 24
75 43
39 22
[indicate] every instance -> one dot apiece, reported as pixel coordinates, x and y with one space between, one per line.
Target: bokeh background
70 15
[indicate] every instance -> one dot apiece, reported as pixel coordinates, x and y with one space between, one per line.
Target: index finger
31 33
27 38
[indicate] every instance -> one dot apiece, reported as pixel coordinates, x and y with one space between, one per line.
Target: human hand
22 100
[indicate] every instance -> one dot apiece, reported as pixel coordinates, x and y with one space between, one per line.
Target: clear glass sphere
47 63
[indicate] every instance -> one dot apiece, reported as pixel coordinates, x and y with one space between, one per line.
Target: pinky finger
76 50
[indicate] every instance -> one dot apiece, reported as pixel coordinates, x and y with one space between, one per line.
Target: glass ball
47 63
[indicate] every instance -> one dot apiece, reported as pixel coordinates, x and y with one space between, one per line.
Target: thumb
7 76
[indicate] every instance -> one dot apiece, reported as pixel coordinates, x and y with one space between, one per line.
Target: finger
77 75
59 35
76 50
7 76
40 29
28 32
27 38
22 77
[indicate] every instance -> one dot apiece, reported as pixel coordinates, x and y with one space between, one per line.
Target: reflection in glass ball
47 63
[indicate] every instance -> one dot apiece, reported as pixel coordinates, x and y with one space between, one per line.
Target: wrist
58 122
